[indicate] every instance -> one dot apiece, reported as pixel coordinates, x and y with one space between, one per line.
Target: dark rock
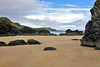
17 42
75 39
3 44
68 31
32 41
5 26
8 28
25 29
92 29
41 30
97 48
49 48
75 31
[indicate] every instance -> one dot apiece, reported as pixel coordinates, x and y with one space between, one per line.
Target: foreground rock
92 29
76 39
32 41
3 44
49 48
17 42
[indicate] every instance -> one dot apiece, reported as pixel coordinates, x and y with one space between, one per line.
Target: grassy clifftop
48 28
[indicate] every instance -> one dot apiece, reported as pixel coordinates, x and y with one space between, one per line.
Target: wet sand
69 53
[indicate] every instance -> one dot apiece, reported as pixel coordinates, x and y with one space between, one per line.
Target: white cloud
67 26
18 7
61 15
70 5
48 3
40 14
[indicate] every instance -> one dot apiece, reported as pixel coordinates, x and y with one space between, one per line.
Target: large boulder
17 42
32 41
3 43
92 29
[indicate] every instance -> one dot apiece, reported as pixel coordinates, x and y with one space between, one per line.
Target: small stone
75 39
49 48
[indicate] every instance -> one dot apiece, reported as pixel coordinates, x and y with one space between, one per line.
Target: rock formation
69 32
3 43
32 42
49 48
7 27
92 29
75 31
16 42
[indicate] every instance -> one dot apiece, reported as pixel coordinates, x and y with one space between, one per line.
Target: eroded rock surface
92 29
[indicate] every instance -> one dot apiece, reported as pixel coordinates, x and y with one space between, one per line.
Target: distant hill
48 28
7 27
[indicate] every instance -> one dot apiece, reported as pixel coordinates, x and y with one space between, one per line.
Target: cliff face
92 31
7 27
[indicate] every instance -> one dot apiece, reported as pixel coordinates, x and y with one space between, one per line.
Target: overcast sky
58 14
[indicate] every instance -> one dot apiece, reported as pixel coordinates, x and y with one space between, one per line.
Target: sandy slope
68 54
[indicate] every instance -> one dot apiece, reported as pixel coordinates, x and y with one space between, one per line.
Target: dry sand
69 53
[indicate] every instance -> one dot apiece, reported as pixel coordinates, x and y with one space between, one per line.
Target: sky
57 14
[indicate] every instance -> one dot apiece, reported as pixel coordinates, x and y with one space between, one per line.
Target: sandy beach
69 53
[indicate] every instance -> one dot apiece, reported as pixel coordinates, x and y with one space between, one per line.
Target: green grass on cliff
5 18
47 28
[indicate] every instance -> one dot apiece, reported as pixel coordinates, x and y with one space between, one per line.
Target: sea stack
92 29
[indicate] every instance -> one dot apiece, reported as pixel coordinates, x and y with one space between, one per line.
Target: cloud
70 5
47 3
61 18
36 13
18 7
61 15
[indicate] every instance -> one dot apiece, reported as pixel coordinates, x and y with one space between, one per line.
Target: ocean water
57 32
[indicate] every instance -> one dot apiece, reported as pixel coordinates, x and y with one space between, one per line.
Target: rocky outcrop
3 43
32 41
75 31
92 29
27 30
16 42
7 27
69 32
41 31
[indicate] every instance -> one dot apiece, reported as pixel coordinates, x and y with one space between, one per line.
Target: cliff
7 27
92 29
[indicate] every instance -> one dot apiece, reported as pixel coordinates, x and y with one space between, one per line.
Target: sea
57 32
